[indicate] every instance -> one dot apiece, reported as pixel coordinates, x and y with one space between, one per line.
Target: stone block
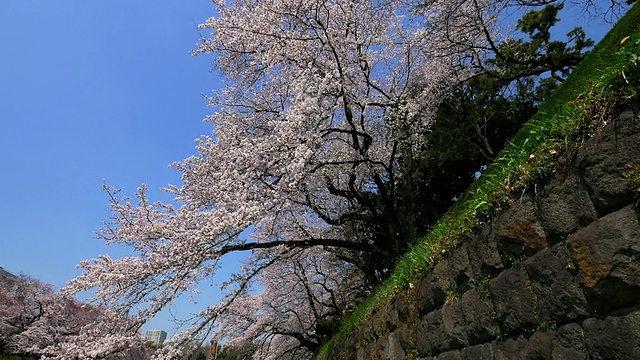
512 301
484 255
389 347
554 286
537 346
518 231
477 352
607 254
374 350
566 343
458 270
394 349
345 349
613 337
449 355
392 316
431 337
377 325
454 273
469 319
401 311
602 161
429 293
569 344
565 206
406 336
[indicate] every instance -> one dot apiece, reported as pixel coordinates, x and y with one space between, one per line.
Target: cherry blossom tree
20 306
36 320
322 100
306 295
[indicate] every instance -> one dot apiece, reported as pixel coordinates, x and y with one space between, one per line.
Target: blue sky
90 91
93 91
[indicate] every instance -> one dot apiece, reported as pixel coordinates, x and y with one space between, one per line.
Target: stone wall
556 276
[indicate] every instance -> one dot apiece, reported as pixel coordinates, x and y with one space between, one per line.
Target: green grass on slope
575 111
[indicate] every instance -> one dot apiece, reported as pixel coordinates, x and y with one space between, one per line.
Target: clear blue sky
92 91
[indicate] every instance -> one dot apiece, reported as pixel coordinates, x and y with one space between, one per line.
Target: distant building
157 337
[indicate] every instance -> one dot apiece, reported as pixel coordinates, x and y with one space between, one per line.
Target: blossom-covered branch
321 101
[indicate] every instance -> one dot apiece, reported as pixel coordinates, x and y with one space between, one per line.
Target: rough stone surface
374 350
613 337
569 343
393 349
406 336
429 294
454 275
468 320
512 302
554 287
537 346
377 327
399 313
449 355
458 270
392 315
484 255
565 206
478 352
431 338
387 348
607 253
517 230
603 159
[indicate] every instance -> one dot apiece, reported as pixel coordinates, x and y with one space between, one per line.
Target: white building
157 337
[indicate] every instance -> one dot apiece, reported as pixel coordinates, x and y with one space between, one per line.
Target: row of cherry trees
325 107
36 320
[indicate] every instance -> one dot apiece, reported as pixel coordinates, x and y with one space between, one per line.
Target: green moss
361 344
451 295
632 180
413 355
412 322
